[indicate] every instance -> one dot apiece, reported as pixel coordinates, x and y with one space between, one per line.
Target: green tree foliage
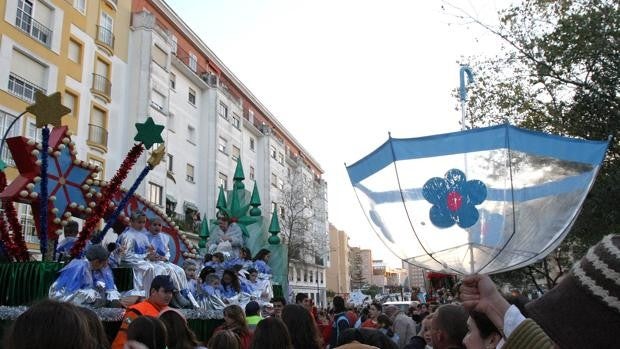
559 72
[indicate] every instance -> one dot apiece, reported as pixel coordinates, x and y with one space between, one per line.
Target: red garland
11 248
17 246
106 194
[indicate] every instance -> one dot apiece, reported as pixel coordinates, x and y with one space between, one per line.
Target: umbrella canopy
485 200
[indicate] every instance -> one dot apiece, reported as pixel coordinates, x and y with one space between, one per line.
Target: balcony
35 29
97 136
185 58
105 38
101 86
23 88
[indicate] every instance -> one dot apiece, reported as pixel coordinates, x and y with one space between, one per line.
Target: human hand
478 293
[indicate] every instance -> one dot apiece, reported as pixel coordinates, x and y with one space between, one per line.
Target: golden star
156 156
47 109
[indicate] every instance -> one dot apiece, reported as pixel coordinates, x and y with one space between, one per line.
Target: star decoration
156 156
68 179
149 133
47 109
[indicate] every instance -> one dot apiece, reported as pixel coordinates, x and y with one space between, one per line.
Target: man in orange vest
160 295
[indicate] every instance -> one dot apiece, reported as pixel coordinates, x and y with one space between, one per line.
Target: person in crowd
216 263
252 315
230 284
416 342
95 327
271 333
227 237
260 261
244 260
160 258
426 330
258 289
180 336
341 322
87 280
404 326
373 312
266 310
449 326
301 327
211 286
41 325
190 268
133 249
160 294
63 248
351 314
385 327
364 338
324 322
278 305
305 301
224 339
235 321
362 318
482 334
112 261
149 331
586 289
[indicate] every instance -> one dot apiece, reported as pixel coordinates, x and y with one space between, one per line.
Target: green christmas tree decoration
274 228
255 202
221 200
204 232
239 176
149 133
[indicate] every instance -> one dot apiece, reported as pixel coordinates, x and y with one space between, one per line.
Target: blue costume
80 284
65 245
136 245
262 267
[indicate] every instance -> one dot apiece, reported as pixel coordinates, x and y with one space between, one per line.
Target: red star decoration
69 179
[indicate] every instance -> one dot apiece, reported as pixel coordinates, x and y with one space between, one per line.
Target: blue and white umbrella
485 200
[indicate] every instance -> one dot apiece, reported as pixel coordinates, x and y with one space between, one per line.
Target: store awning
190 206
171 198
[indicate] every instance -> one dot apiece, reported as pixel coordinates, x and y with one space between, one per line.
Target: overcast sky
341 74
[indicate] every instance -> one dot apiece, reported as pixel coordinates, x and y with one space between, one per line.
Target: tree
299 205
559 72
372 291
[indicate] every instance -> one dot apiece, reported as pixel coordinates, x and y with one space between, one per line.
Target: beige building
338 279
361 262
416 275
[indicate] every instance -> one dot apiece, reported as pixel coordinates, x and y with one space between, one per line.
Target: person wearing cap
87 280
160 294
252 316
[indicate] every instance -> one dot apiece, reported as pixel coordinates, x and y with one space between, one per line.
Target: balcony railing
23 88
97 135
101 85
35 29
105 36
184 57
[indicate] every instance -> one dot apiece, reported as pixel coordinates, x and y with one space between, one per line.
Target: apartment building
338 273
77 47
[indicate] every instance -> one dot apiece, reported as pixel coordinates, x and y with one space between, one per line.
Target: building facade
79 48
338 276
416 276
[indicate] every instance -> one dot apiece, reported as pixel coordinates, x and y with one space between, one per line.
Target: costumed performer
227 237
258 289
64 247
160 294
87 281
244 260
133 249
160 258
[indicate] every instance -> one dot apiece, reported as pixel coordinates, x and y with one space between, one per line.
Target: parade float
60 187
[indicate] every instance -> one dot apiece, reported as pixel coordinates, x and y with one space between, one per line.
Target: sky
341 74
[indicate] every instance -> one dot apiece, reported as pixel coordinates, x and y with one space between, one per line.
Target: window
173 81
222 181
274 206
105 32
101 78
274 180
100 164
280 184
36 22
251 172
170 163
281 213
222 110
193 61
27 221
160 57
171 122
252 144
70 101
222 144
173 44
5 121
280 158
236 121
26 76
158 100
80 5
191 96
311 277
190 173
251 116
155 193
236 152
32 131
272 152
75 51
305 275
97 132
191 134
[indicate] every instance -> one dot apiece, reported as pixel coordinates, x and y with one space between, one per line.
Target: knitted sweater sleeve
528 335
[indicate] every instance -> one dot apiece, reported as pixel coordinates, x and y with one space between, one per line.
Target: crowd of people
479 317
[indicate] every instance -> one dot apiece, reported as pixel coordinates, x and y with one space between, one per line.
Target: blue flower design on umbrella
454 199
